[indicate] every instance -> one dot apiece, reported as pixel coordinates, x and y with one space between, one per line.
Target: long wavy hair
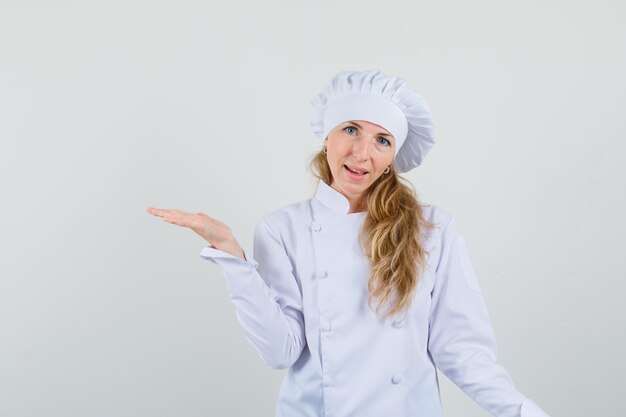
389 237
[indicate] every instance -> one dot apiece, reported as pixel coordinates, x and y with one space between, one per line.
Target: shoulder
443 225
287 219
436 214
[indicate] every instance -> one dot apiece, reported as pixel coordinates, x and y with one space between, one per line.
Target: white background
109 107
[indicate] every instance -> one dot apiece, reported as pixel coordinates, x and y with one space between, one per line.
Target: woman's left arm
462 342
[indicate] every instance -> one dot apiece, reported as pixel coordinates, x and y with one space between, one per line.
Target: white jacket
302 302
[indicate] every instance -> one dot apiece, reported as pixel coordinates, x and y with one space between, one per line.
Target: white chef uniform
302 302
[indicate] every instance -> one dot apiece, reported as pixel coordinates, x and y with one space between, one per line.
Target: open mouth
355 172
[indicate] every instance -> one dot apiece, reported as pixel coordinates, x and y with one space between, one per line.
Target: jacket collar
332 198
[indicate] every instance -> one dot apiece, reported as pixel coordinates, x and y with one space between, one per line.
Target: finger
154 210
158 213
179 221
165 212
182 217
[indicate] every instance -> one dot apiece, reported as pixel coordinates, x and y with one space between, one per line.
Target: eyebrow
361 127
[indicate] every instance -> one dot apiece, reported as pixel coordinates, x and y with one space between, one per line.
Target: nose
361 149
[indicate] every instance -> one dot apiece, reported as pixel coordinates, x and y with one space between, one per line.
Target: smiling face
358 145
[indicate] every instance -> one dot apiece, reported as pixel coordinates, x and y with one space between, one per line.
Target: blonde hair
389 237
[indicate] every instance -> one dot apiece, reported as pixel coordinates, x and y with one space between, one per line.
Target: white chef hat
384 100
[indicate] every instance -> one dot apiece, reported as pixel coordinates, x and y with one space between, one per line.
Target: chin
352 188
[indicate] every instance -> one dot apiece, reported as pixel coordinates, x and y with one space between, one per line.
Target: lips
356 170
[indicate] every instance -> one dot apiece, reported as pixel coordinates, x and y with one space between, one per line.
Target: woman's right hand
210 229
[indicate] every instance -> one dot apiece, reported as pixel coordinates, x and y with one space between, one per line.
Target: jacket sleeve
266 296
462 341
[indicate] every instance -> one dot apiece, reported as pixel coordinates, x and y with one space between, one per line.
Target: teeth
358 172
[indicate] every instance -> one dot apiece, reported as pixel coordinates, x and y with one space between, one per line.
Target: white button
322 274
396 379
325 325
328 382
316 226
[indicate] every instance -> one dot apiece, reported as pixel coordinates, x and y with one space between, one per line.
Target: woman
361 291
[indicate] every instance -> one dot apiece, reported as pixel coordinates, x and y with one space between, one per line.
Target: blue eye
386 144
349 127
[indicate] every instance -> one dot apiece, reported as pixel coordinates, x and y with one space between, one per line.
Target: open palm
210 229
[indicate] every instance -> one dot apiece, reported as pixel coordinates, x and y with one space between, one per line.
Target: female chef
360 290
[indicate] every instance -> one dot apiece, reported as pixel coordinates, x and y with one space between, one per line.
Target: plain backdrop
110 107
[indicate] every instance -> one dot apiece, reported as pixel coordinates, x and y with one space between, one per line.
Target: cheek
336 154
335 164
384 161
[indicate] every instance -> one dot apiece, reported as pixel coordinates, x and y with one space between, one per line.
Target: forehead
364 124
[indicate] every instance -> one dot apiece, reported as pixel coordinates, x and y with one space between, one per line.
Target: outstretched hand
210 229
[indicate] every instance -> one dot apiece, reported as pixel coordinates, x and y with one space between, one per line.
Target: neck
357 203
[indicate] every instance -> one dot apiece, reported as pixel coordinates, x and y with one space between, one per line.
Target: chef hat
387 101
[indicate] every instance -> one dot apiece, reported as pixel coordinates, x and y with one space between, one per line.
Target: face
361 146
